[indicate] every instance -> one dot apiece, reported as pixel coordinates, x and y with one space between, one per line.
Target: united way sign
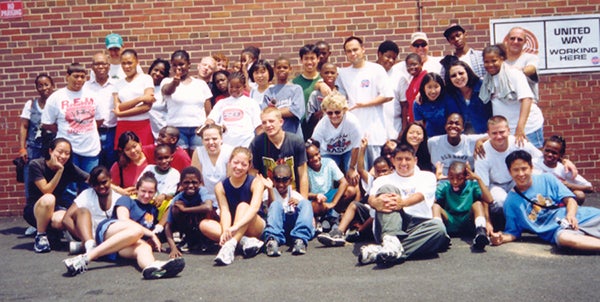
563 43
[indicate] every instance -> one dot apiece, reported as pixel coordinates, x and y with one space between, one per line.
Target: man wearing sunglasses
518 58
419 44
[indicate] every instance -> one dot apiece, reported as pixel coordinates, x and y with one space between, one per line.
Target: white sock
89 245
480 221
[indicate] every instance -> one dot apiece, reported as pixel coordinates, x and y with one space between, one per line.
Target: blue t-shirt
434 115
190 201
289 96
322 181
522 215
144 214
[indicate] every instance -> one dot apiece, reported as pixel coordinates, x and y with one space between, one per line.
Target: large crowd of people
400 154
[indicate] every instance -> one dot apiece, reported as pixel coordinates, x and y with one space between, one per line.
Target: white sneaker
390 252
163 269
368 253
226 253
251 246
30 231
76 265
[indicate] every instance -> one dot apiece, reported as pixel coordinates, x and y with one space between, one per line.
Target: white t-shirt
338 140
560 173
158 113
185 107
363 85
75 113
213 174
510 107
420 182
130 90
526 59
105 97
115 72
240 116
89 199
442 151
167 182
492 169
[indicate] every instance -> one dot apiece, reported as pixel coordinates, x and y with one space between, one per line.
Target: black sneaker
273 248
481 239
163 269
333 238
353 236
299 247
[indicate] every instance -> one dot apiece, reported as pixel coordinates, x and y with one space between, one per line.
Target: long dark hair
422 153
124 138
472 77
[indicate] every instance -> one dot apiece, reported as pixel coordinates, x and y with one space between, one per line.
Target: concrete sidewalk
523 271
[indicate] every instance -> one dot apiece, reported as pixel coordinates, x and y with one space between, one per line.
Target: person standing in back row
365 84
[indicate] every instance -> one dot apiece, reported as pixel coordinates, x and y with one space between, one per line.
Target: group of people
403 154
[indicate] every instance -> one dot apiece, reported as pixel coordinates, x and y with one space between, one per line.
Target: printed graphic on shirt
80 114
365 83
148 220
231 115
339 144
540 202
270 164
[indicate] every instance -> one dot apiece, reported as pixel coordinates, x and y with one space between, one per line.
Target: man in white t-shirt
75 113
367 89
403 222
104 87
387 55
521 60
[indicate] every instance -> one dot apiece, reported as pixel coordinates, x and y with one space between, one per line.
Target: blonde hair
335 100
269 110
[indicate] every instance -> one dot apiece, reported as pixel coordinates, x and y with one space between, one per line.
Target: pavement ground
527 270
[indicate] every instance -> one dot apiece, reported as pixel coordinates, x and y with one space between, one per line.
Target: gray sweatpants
419 236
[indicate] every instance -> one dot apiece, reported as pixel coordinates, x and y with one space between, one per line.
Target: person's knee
46 201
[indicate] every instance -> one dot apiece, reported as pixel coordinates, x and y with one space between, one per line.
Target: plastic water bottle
564 223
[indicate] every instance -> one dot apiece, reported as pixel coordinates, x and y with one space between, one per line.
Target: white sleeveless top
213 174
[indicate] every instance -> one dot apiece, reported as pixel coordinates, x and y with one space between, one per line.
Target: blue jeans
342 160
108 155
536 137
85 163
281 226
188 138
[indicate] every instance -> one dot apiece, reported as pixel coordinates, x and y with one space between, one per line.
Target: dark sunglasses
281 179
330 113
417 45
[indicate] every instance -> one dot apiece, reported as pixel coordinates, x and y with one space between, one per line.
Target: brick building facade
52 34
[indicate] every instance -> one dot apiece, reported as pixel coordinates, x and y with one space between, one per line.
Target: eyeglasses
337 112
417 45
517 39
281 179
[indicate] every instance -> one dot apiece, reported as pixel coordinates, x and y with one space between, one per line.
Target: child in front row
460 199
554 149
358 214
188 209
167 177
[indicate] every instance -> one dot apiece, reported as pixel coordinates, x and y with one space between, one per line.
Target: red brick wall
53 34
